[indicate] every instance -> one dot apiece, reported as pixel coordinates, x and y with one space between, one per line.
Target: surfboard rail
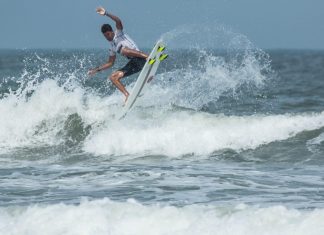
148 71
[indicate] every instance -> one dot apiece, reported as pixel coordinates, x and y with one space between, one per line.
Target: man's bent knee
116 76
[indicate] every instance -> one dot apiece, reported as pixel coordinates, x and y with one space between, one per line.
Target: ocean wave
181 133
53 116
52 107
48 115
108 217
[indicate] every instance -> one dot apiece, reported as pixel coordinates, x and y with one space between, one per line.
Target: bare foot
126 97
150 79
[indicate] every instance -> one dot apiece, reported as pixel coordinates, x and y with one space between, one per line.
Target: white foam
131 218
176 134
37 120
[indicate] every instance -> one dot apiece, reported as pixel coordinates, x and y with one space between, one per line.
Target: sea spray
209 62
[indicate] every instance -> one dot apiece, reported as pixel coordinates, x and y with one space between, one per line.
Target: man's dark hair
105 28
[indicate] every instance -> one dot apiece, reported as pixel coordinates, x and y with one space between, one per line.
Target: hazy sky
74 23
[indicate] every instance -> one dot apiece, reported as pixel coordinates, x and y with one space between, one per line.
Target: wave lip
108 217
184 133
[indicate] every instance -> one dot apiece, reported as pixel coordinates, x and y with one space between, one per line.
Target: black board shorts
134 65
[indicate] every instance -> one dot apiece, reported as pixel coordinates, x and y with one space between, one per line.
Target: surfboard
145 76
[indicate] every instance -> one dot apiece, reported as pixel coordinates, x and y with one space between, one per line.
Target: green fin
163 57
152 61
161 48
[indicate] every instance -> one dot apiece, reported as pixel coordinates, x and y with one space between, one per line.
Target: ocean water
225 141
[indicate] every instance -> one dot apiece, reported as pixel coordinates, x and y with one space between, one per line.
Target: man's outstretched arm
133 53
102 11
107 65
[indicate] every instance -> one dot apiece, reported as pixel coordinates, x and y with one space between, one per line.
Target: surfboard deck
146 74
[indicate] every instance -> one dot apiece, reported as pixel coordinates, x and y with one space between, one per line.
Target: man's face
109 35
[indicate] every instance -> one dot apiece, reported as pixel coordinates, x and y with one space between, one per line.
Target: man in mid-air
123 44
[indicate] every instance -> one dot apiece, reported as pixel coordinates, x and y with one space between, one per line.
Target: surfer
120 43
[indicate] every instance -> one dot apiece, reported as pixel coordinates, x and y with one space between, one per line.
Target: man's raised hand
101 11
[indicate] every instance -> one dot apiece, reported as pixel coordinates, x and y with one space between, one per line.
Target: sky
269 24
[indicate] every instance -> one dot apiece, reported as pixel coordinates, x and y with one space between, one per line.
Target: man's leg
115 78
133 66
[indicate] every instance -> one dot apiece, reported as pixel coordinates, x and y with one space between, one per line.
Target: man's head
108 32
